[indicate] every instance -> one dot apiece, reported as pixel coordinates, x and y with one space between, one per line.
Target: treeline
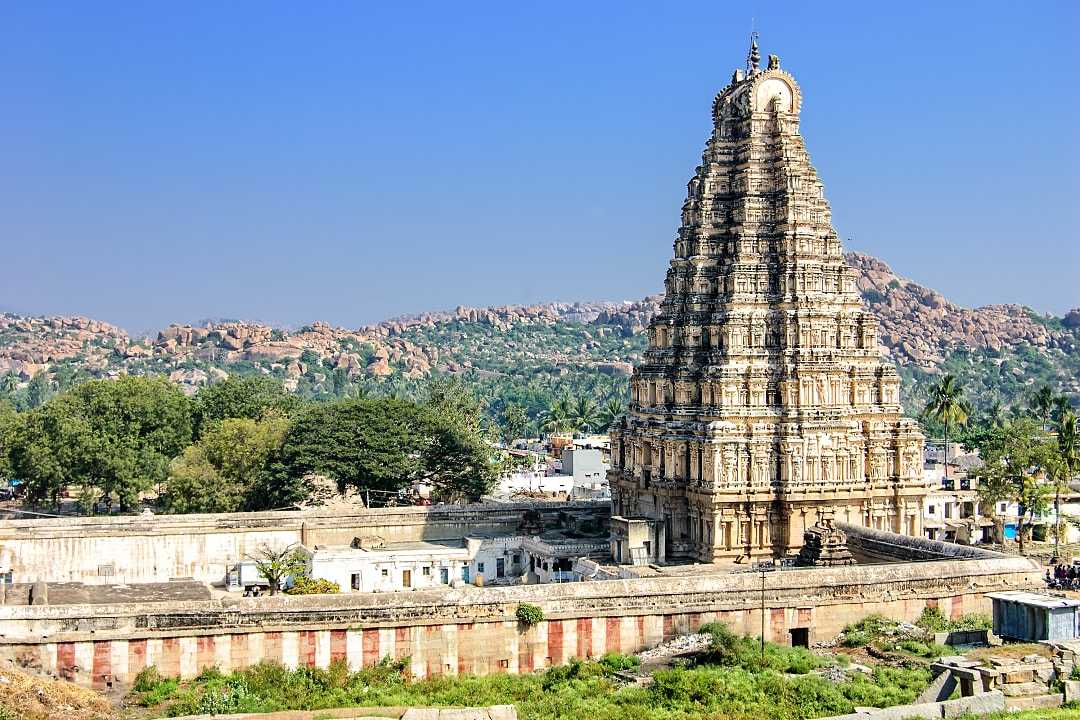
1029 456
243 444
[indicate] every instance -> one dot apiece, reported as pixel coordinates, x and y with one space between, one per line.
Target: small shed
1033 617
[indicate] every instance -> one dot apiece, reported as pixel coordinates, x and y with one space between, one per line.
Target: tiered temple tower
762 398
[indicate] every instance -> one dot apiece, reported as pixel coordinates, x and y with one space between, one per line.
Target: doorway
406 578
800 637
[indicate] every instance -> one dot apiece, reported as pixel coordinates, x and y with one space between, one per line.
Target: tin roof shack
1033 617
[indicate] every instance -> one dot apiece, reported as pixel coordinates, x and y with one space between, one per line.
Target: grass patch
731 681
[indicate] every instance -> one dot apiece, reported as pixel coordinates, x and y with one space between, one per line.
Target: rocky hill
530 353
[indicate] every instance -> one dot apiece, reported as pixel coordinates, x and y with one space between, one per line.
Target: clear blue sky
347 162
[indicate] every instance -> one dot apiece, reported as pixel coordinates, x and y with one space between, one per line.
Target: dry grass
27 697
1012 650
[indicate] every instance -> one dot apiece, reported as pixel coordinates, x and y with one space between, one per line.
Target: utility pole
764 568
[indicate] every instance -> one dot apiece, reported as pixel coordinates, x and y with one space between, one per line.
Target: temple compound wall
156 548
473 630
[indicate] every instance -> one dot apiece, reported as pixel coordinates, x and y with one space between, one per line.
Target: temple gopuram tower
762 400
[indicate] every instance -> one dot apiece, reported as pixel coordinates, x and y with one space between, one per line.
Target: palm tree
9 382
558 417
1042 405
948 406
515 420
1062 406
585 413
610 412
995 415
1066 465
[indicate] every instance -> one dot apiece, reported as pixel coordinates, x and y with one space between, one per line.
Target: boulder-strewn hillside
530 353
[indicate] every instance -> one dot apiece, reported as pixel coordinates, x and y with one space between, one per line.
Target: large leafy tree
367 443
457 457
1015 460
947 405
115 435
136 426
250 396
1064 466
220 472
9 419
49 449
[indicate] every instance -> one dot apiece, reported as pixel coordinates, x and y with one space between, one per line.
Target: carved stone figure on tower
762 360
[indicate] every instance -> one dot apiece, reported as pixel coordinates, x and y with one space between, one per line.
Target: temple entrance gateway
762 406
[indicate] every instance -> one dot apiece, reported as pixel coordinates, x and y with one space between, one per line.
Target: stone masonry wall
472 630
156 548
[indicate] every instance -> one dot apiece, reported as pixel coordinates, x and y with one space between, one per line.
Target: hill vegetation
528 357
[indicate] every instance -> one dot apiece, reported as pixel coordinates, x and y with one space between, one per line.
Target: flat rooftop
71 593
1034 599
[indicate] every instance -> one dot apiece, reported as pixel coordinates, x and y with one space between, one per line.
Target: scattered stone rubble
682 645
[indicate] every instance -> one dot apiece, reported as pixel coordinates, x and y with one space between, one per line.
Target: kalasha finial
753 57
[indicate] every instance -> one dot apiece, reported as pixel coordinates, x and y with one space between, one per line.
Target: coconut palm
515 420
585 414
559 417
9 383
948 406
1062 406
1042 405
1065 466
610 412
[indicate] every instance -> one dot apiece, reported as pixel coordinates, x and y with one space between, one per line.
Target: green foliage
933 621
151 689
616 662
220 472
514 422
9 420
304 585
116 435
368 443
867 630
731 650
456 455
388 444
528 614
251 397
580 688
610 412
1014 459
276 564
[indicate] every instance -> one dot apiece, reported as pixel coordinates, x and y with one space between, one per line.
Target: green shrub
972 621
932 620
728 649
855 638
744 687
304 585
616 662
146 679
529 614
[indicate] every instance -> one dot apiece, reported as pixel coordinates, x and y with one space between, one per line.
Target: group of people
1063 576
